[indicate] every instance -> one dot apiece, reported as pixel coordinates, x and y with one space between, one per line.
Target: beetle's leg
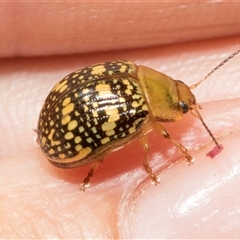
86 181
144 141
161 130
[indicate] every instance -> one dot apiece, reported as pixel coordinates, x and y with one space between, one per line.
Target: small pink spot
213 153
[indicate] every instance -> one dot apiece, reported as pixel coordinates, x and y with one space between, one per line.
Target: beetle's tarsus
155 179
85 184
86 181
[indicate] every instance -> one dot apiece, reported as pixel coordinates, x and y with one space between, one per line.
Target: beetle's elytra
101 108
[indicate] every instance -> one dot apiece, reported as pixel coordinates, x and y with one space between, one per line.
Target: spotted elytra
101 108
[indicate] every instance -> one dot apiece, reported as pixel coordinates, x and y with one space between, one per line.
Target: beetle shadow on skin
129 158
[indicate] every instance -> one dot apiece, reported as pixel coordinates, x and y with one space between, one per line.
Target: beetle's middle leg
86 181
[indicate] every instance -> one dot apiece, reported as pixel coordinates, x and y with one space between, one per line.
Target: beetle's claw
155 180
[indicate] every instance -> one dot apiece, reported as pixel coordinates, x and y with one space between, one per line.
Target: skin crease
38 200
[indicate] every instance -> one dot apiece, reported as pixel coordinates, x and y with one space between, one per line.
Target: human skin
38 200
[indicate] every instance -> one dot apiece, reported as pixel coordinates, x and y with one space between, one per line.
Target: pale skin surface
38 200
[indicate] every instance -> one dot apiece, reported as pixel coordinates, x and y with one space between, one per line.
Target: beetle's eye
183 106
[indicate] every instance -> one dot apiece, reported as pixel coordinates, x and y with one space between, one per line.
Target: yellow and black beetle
101 108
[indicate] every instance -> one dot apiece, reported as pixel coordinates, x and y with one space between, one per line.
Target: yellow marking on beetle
132 130
66 101
63 88
110 132
55 143
78 71
94 130
135 104
69 136
145 107
67 145
78 148
95 104
69 108
51 151
113 118
136 96
132 111
82 154
85 91
103 89
123 69
95 121
136 122
89 140
105 140
98 70
77 113
95 114
108 126
59 148
72 125
126 82
77 139
86 98
51 134
85 107
75 75
130 87
121 100
128 92
59 86
81 77
51 123
98 136
81 129
66 119
56 109
112 111
43 141
62 155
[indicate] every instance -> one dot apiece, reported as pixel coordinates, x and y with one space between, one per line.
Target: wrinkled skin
38 200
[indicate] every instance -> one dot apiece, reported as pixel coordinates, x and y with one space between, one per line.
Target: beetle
103 107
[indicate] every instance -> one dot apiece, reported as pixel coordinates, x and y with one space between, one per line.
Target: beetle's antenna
196 114
217 67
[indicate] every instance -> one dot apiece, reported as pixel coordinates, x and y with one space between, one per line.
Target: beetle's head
187 100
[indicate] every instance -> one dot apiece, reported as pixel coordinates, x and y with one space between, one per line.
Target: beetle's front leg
161 130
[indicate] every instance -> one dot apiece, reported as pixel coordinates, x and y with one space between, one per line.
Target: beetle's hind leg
144 141
161 130
86 181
